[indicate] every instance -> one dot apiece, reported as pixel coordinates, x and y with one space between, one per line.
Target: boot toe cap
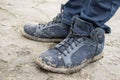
30 29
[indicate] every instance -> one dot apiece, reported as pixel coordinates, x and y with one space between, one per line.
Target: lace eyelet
68 52
76 45
84 39
72 48
65 55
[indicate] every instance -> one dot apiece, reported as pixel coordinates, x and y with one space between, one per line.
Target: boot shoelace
73 38
57 19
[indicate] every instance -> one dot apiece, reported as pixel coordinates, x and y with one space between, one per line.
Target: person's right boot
83 45
53 31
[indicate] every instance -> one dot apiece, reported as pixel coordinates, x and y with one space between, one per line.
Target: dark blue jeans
97 12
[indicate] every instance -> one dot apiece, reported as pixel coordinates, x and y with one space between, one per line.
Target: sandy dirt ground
17 53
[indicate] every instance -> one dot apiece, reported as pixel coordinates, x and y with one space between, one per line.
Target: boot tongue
81 27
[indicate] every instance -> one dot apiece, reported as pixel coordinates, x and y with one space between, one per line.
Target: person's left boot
52 31
83 45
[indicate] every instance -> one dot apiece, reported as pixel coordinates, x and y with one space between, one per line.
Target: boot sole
69 70
39 39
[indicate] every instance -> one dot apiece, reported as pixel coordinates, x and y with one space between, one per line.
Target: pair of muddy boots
82 45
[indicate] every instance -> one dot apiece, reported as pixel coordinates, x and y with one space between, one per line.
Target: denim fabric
97 12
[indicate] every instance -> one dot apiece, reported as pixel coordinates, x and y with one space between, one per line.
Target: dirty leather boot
83 45
53 31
